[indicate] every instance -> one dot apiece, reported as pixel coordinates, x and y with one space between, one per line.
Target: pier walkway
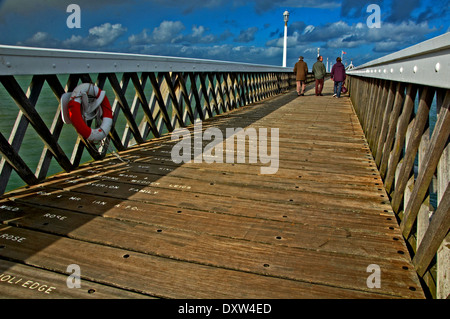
142 226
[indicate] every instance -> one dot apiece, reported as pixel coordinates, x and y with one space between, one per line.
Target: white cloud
272 52
171 32
390 37
292 41
308 29
73 41
340 34
399 36
104 34
199 41
198 32
98 37
344 43
40 39
199 35
166 32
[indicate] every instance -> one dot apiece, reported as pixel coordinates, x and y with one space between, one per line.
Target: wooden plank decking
148 227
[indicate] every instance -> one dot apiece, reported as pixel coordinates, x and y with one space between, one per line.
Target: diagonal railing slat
403 101
150 97
185 96
171 92
15 161
196 93
161 103
140 94
17 136
35 120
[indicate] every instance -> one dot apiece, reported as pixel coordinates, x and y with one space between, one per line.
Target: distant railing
166 93
403 101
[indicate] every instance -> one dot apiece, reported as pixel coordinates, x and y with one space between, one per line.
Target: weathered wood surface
148 227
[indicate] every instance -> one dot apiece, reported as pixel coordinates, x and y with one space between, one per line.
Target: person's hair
318 58
338 59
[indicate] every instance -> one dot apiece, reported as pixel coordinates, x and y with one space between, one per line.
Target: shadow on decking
35 218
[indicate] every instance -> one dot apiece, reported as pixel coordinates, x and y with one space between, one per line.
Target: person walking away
319 72
338 76
301 70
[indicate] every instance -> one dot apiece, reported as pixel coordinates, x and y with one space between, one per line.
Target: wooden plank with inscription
286 262
249 223
161 277
147 225
18 281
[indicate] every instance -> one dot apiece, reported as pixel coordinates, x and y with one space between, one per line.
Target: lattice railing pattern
145 104
408 127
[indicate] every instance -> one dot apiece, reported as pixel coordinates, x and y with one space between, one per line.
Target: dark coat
338 72
301 70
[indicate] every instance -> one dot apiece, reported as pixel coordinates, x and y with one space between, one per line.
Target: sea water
47 105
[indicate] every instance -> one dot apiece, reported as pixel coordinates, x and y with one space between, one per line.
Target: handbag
344 89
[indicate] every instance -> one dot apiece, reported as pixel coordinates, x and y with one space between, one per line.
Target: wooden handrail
413 165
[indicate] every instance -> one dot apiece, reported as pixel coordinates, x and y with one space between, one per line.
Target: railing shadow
63 209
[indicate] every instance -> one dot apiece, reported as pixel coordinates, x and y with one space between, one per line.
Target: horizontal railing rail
425 64
150 96
26 60
403 101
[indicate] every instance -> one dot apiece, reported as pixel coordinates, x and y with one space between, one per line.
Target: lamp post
286 19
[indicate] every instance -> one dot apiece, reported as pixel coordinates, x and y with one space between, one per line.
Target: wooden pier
141 226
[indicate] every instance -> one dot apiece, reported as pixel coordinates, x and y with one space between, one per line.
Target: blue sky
230 30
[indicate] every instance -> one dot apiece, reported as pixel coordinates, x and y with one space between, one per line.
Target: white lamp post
286 19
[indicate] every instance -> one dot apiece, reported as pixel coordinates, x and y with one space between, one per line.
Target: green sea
47 106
